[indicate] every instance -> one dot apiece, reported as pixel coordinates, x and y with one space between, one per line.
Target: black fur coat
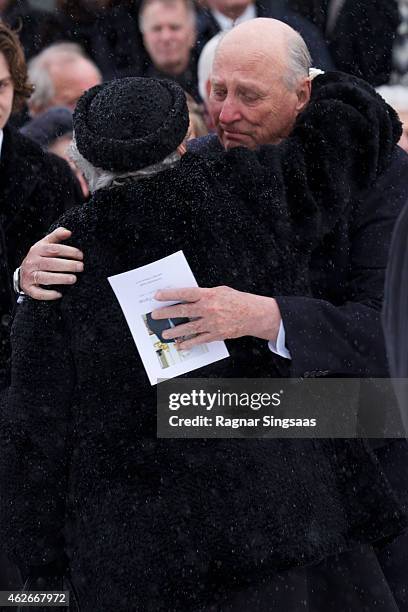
158 525
35 189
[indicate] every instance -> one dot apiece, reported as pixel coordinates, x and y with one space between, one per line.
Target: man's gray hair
205 63
97 178
299 61
39 70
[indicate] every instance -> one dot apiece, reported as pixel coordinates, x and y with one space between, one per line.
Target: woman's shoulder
79 218
110 212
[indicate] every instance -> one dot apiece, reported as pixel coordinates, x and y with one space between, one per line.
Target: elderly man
169 35
61 73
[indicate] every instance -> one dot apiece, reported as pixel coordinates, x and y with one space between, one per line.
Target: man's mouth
233 135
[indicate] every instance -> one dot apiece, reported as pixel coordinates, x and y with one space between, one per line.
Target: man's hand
50 263
218 313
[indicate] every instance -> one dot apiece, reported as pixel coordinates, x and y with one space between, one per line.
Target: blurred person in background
107 31
35 187
360 34
397 97
222 15
34 26
53 130
169 34
60 75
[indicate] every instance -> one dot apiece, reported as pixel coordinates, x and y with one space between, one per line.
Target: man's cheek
214 110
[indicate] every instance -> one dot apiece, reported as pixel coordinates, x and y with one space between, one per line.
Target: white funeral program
135 290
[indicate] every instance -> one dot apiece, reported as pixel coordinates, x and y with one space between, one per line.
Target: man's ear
303 93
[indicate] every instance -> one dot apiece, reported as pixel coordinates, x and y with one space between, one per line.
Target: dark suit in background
360 37
35 28
207 27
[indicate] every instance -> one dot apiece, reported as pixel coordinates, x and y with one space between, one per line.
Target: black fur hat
130 123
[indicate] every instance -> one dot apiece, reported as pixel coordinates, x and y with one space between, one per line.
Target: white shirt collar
226 23
1 141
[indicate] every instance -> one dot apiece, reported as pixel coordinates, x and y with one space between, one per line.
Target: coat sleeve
348 339
35 440
343 149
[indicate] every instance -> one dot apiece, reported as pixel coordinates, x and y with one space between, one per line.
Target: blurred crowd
72 45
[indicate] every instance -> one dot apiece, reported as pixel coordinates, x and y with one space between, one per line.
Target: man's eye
249 98
219 94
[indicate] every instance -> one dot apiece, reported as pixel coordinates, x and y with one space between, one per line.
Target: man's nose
229 111
166 34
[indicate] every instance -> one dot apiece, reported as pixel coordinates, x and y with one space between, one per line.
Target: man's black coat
337 330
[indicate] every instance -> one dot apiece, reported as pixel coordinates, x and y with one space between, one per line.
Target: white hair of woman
97 178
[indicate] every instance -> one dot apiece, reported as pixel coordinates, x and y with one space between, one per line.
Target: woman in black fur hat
147 524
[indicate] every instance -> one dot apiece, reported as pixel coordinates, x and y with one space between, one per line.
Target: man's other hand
50 263
218 313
